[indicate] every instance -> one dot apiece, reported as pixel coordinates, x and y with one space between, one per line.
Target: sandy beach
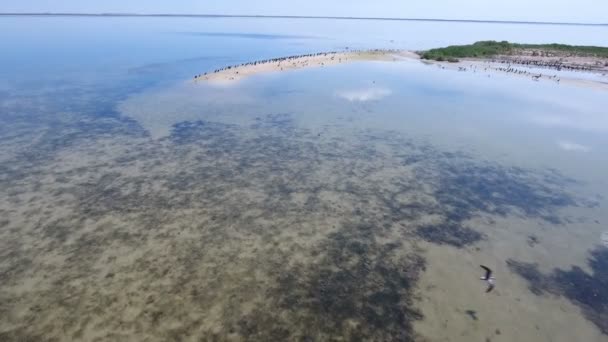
316 60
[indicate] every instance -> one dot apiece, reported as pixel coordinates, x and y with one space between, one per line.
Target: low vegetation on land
485 49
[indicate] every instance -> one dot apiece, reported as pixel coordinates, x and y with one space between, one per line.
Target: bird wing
488 271
490 288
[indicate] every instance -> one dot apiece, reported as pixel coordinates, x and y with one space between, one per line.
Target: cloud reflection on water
590 122
572 146
365 94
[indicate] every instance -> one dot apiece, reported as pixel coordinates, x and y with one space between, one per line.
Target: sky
588 11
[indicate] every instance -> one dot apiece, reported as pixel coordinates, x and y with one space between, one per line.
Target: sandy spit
321 59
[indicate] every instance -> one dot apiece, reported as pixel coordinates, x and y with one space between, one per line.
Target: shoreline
576 75
571 70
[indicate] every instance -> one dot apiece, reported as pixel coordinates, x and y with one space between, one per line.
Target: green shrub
491 48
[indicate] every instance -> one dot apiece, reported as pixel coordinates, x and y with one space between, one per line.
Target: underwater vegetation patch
268 231
360 290
449 234
588 291
464 187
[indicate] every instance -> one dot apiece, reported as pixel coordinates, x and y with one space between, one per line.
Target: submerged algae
228 231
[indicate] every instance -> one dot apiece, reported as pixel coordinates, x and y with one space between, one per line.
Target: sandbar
321 59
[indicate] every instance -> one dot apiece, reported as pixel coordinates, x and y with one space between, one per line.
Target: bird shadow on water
472 314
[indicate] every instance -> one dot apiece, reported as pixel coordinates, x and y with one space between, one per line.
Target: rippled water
354 202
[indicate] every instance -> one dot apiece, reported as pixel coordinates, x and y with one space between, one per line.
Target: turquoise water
353 202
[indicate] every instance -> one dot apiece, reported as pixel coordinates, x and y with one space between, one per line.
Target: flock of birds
510 67
291 60
278 60
511 70
557 65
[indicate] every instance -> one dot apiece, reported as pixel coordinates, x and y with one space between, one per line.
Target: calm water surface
354 202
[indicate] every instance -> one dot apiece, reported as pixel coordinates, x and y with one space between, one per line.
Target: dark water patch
201 132
361 289
21 334
449 234
469 187
281 122
15 264
464 188
588 291
57 231
41 118
537 282
70 131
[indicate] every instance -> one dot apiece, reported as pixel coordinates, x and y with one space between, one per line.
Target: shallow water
353 202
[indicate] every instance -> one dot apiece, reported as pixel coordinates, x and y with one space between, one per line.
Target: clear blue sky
532 10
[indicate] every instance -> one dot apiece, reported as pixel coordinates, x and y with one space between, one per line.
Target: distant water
45 46
354 202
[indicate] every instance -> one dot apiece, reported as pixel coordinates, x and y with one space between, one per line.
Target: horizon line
295 17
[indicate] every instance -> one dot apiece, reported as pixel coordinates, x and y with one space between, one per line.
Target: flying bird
488 278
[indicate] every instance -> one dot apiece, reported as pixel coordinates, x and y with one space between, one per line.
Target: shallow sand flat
264 232
172 270
454 296
457 309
